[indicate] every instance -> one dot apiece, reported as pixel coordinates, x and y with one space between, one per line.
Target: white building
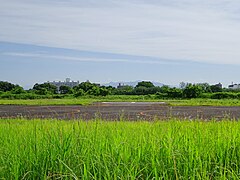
234 86
68 82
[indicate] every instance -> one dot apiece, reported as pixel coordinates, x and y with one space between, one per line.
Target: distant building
68 82
121 86
234 86
219 85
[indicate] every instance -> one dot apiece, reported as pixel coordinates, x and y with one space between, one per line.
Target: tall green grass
51 149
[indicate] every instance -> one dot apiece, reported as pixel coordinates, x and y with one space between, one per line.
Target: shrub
205 95
160 95
224 95
175 93
192 91
78 93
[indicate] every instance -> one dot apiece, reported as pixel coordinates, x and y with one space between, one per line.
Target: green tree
192 91
104 91
95 91
175 93
18 90
110 89
205 87
164 89
125 90
85 86
216 88
65 90
49 88
146 84
6 86
41 91
78 93
141 90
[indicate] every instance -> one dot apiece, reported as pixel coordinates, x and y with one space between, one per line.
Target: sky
167 41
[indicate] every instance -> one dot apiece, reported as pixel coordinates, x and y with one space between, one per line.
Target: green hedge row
225 95
29 96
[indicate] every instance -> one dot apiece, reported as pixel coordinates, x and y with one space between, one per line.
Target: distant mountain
131 83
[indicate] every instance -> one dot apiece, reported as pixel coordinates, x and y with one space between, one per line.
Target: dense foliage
186 91
6 86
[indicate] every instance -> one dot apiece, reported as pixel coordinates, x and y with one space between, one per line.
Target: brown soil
124 110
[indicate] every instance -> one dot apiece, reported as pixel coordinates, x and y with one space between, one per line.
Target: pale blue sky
120 40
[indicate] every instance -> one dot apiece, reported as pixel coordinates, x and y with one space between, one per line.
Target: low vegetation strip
46 102
50 149
143 89
121 98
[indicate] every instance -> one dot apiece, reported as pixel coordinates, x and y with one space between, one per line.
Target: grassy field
73 101
204 102
123 98
50 149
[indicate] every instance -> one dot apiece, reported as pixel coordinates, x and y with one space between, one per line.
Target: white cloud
198 30
84 59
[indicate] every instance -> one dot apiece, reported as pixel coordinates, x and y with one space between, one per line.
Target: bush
41 91
58 96
18 90
6 86
9 95
192 91
160 95
78 93
65 90
175 93
45 88
238 95
95 91
225 95
104 92
205 95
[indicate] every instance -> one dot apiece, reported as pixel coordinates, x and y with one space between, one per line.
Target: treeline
186 90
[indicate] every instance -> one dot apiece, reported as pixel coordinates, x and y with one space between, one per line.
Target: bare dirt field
121 110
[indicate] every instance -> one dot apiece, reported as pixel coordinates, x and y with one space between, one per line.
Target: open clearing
121 110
